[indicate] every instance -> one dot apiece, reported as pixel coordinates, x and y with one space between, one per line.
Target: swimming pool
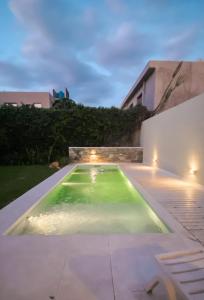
92 199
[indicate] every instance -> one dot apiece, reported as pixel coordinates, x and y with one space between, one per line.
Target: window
139 99
131 105
13 104
38 105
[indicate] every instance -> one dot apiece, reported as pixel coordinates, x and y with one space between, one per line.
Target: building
38 99
60 95
164 84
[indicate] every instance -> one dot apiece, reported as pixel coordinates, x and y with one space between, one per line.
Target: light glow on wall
155 158
93 151
93 157
193 168
193 171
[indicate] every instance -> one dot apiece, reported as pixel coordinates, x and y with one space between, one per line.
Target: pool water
94 199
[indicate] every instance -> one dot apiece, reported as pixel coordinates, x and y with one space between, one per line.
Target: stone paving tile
30 267
133 262
87 272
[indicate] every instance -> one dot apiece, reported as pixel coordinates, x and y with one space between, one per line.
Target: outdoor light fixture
193 167
155 161
93 152
93 156
155 158
193 171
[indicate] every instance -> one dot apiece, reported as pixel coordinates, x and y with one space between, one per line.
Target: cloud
97 48
124 47
116 6
101 93
15 75
181 45
56 22
53 44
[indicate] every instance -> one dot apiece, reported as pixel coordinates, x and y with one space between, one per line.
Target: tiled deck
96 267
183 200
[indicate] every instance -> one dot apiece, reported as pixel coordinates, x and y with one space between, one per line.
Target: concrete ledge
106 154
23 204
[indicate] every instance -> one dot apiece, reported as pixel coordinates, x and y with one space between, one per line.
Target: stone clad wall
106 154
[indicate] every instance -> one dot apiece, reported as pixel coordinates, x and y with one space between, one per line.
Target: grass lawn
16 180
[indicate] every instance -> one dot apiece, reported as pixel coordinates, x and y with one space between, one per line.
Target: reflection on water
82 218
92 199
93 173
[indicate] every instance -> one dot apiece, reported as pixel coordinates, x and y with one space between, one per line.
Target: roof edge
148 66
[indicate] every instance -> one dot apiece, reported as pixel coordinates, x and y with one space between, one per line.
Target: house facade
38 99
169 82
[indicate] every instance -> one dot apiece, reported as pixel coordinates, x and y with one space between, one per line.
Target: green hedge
30 135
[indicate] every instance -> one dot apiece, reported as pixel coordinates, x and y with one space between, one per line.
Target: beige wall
155 85
43 98
133 101
193 78
174 139
164 71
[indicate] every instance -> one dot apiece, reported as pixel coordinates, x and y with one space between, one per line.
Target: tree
64 103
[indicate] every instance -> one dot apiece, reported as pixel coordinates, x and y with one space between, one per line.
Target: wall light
93 157
193 171
155 162
93 151
193 166
155 158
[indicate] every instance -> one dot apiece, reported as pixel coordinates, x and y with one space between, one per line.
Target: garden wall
106 154
174 139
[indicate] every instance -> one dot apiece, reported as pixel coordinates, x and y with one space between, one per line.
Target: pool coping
13 213
163 214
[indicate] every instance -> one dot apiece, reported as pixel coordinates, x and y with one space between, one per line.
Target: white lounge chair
182 271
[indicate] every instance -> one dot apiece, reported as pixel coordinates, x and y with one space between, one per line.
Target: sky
95 48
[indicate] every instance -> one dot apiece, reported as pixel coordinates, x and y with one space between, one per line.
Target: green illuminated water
92 199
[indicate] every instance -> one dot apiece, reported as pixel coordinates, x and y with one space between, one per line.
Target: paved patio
96 267
184 200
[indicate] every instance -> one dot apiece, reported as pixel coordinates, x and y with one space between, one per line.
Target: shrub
30 135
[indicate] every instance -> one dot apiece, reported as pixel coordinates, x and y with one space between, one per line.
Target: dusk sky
95 48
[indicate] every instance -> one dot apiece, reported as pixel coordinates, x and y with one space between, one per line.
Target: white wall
174 139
